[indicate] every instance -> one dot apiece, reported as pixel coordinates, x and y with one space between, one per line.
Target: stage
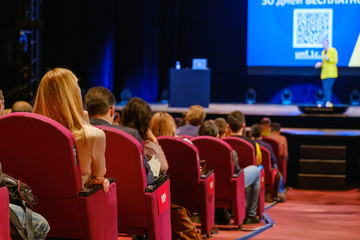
289 116
319 131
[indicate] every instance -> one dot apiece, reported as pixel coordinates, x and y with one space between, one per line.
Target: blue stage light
250 96
286 96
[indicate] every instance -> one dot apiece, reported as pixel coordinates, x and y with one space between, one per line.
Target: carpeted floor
316 215
320 215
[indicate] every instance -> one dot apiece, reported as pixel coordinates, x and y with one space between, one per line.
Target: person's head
2 103
275 127
21 106
117 117
100 103
222 125
325 43
59 98
209 128
162 124
256 130
236 121
137 114
265 123
196 115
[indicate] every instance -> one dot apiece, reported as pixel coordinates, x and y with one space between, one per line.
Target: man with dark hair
194 118
100 104
251 175
236 127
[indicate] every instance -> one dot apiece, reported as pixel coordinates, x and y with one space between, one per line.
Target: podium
189 87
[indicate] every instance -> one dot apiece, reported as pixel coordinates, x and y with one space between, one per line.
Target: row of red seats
42 153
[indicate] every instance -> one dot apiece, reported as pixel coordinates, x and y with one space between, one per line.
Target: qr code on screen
311 26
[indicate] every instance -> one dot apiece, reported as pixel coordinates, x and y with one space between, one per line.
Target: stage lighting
286 96
319 97
165 96
250 96
355 97
126 95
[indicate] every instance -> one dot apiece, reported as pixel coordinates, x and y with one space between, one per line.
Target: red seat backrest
30 138
244 150
184 170
125 162
218 156
266 159
4 214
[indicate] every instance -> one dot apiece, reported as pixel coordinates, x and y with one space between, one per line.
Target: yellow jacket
329 69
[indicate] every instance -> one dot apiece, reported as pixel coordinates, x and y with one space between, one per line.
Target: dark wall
133 44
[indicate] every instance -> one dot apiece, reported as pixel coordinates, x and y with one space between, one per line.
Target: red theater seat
244 149
42 153
281 161
229 188
270 172
4 214
188 188
142 209
246 155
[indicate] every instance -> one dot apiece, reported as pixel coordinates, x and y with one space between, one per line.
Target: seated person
275 134
265 124
100 104
2 104
40 225
137 114
255 133
59 98
162 124
194 118
21 106
251 175
236 128
222 125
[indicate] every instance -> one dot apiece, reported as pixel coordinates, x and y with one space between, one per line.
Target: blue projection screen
288 34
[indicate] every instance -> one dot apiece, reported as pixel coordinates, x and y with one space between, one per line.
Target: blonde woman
162 124
59 98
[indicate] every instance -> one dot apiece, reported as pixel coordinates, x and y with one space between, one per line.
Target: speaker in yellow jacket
329 71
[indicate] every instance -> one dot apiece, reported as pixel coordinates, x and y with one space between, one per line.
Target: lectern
189 87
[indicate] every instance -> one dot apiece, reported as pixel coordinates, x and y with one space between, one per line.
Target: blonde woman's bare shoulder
94 132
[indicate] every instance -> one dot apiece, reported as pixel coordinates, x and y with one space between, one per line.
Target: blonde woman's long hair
59 98
162 124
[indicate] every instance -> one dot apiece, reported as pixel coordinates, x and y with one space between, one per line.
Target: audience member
59 98
251 175
194 118
117 117
222 125
137 114
21 106
162 124
236 127
100 104
265 124
275 134
255 133
2 104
